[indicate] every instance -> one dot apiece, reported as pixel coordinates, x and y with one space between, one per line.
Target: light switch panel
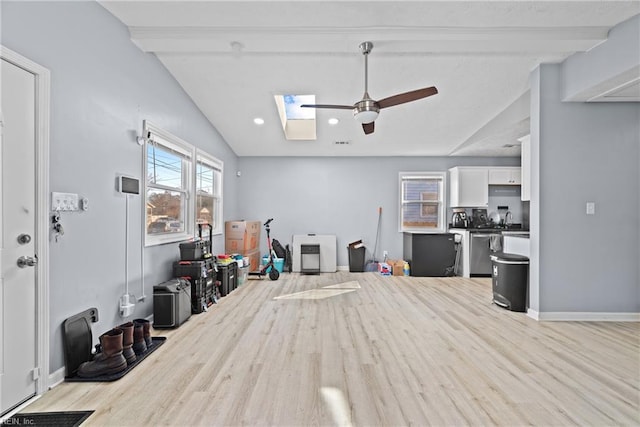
64 202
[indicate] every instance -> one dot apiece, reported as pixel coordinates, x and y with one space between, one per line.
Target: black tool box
194 269
198 249
194 250
171 303
228 277
202 294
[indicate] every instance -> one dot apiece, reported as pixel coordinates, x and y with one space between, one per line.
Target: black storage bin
228 277
196 250
194 269
510 279
356 257
200 299
171 303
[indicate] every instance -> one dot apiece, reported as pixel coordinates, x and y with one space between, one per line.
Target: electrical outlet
64 202
591 208
385 253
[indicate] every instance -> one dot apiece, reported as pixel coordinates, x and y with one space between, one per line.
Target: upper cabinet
525 191
505 176
469 187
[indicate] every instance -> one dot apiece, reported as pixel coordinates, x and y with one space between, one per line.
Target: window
209 191
422 204
174 172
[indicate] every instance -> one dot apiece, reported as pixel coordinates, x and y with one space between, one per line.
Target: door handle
27 261
23 239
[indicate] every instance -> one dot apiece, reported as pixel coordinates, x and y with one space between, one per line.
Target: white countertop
516 244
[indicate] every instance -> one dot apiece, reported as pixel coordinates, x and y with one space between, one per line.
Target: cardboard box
397 267
241 236
254 260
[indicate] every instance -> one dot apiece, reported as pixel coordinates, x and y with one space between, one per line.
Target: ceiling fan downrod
366 47
366 110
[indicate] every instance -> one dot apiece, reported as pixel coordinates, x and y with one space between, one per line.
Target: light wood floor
402 351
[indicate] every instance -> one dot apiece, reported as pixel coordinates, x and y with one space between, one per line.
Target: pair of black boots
120 347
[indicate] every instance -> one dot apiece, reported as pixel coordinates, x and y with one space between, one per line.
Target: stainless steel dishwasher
480 251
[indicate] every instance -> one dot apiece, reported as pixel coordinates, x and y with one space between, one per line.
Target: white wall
102 88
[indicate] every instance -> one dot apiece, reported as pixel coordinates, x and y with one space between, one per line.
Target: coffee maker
459 219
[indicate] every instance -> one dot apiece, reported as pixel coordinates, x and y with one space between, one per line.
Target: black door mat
48 419
157 342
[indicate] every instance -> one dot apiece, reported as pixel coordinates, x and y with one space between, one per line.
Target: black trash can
356 257
510 274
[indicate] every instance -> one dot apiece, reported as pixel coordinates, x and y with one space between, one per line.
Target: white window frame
192 155
442 205
218 166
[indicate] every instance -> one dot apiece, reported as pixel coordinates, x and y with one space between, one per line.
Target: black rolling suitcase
198 249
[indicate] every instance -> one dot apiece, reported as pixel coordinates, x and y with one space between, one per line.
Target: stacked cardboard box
243 237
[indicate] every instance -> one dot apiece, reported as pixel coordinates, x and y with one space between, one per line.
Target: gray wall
586 152
335 195
102 88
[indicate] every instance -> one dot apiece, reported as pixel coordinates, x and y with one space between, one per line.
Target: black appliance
483 244
430 255
310 259
171 303
479 218
459 220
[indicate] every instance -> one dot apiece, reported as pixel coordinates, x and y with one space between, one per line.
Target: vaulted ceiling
232 57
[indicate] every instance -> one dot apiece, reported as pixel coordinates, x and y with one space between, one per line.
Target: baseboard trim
579 316
56 377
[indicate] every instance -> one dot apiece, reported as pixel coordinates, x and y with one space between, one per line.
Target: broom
372 265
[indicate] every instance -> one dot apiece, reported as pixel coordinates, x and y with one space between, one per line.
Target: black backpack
278 249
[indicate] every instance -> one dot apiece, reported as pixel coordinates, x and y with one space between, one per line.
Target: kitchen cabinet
525 190
505 176
469 187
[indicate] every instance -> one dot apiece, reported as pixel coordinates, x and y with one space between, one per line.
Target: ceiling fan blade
368 127
339 107
402 98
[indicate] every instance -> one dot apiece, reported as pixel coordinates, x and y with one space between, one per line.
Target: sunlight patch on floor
324 292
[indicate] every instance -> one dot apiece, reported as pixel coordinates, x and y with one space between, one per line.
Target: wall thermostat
127 185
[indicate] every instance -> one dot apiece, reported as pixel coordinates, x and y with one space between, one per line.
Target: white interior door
18 369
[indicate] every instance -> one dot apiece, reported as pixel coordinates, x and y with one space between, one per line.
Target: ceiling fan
366 110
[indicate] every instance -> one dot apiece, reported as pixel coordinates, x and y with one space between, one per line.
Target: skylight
297 123
292 108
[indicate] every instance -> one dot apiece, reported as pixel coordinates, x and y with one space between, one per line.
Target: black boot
110 361
146 329
139 344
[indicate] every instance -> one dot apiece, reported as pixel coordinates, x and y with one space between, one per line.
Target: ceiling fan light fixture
365 116
366 111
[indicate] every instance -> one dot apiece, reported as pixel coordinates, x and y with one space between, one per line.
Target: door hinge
36 374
